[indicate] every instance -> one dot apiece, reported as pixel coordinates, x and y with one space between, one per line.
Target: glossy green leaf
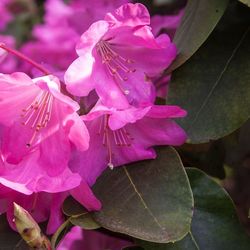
78 215
200 18
215 225
187 243
73 208
150 200
60 233
214 85
247 2
85 221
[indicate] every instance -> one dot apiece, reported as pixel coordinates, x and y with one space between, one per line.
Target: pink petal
78 76
28 177
17 91
85 196
152 132
55 153
78 133
166 111
129 15
119 119
91 37
152 61
107 88
56 217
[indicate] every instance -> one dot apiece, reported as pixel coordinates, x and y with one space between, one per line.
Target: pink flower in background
166 23
6 16
39 127
117 56
8 63
45 49
63 24
118 137
79 239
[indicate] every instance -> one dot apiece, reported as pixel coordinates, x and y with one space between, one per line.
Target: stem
25 58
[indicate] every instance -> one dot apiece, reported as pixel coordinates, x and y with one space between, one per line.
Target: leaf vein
142 200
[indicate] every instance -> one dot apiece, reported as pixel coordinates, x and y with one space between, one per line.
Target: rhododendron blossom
117 57
39 127
118 137
57 138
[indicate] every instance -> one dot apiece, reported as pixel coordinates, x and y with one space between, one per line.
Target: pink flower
39 128
117 56
78 239
119 137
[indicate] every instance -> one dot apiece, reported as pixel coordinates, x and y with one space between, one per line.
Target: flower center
117 65
120 137
37 114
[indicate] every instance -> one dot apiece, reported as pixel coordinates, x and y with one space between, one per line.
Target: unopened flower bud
29 229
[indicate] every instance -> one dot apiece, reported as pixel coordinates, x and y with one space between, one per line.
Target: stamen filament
38 114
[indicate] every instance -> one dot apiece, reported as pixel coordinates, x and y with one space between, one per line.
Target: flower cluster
56 139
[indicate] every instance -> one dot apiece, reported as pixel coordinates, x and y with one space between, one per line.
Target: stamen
119 137
117 65
38 114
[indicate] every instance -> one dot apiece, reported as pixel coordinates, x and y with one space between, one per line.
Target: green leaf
214 85
149 200
78 215
186 243
200 18
58 235
215 225
85 221
247 2
73 208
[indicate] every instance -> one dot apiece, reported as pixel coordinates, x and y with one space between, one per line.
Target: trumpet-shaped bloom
117 56
118 137
39 127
